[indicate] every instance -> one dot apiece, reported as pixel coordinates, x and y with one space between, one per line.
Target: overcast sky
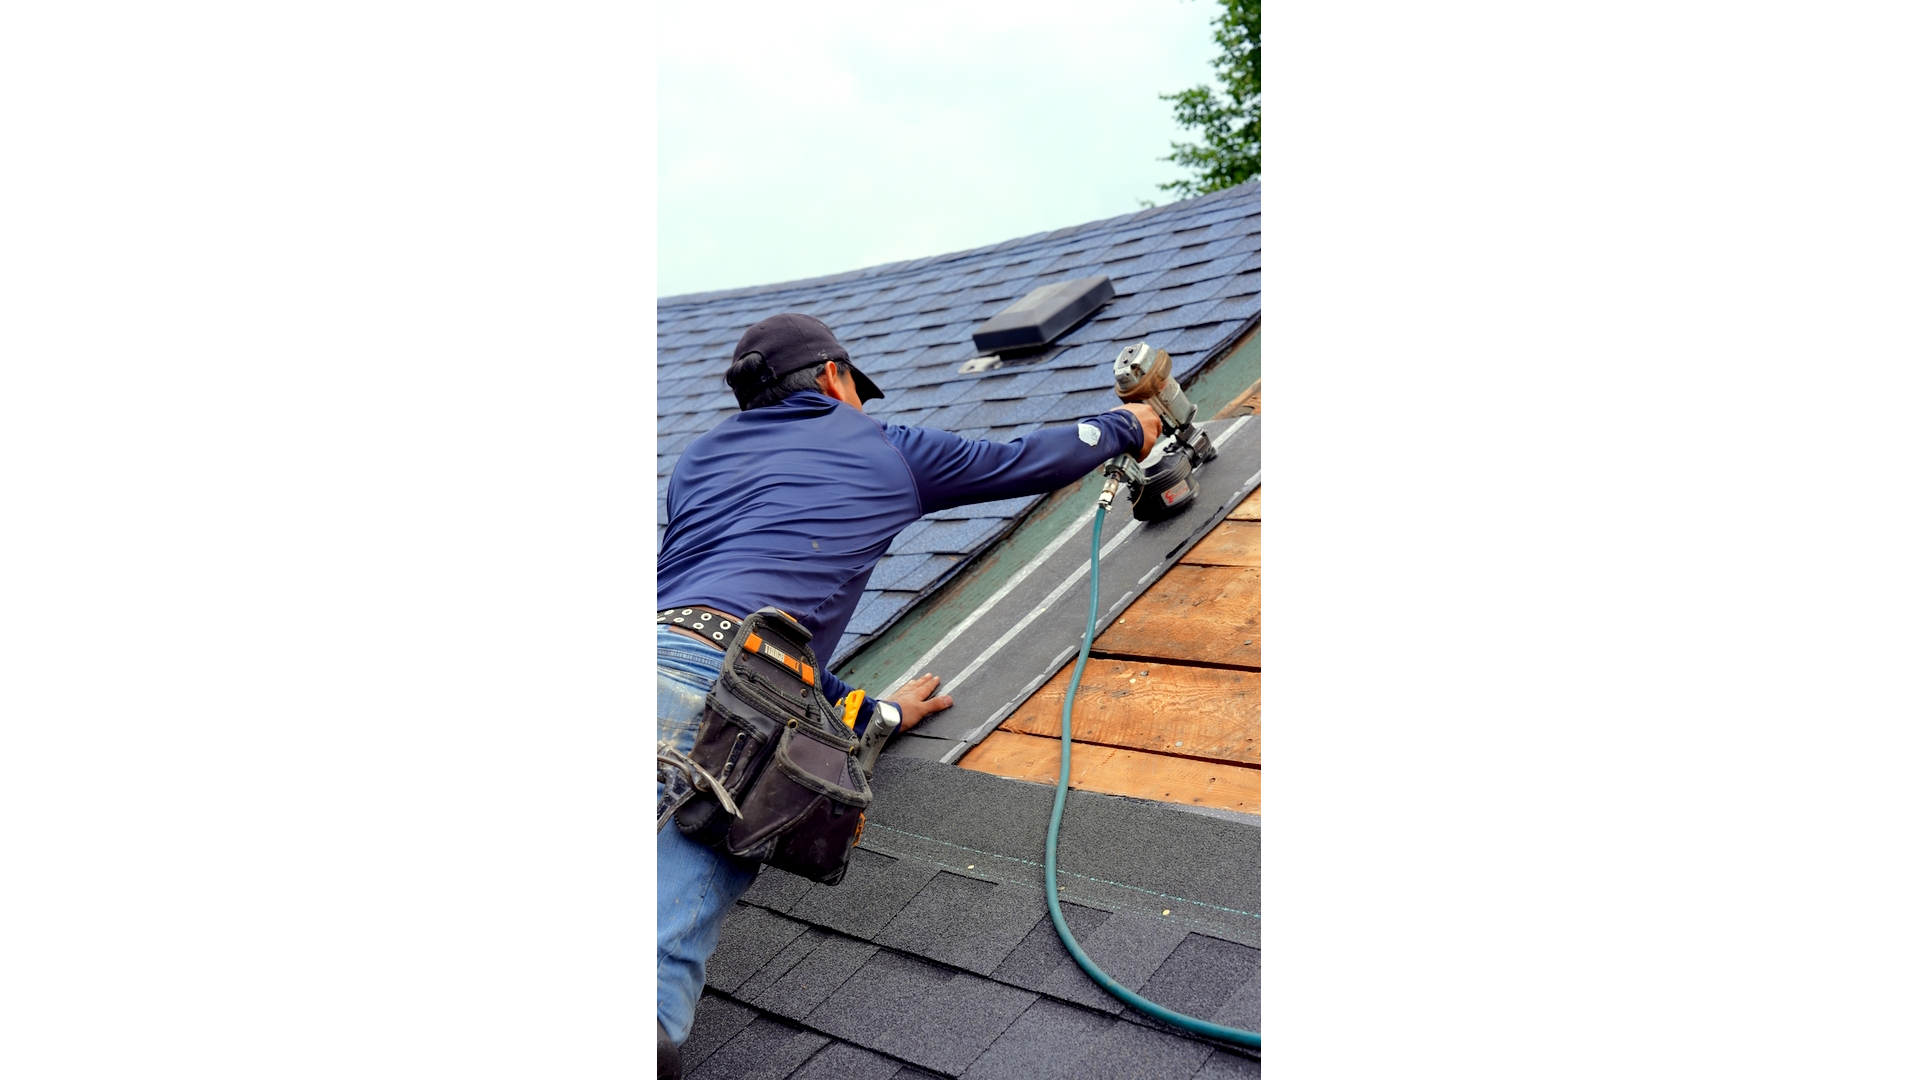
798 140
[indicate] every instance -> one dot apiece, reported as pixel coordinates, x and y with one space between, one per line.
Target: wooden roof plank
1116 771
1249 509
1194 614
1196 712
1231 543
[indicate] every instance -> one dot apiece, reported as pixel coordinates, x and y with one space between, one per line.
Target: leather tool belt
776 776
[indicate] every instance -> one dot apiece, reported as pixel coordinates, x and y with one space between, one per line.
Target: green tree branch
1228 122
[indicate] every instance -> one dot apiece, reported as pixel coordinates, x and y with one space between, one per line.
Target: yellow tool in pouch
852 706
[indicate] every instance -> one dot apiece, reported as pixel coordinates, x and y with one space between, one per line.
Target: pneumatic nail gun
1162 485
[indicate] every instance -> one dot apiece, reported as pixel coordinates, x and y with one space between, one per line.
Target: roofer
789 504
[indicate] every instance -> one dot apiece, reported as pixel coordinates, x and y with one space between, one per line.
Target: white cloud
795 143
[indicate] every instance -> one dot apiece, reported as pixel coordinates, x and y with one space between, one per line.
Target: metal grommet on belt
702 620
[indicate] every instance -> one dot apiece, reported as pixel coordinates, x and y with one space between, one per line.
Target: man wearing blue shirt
789 504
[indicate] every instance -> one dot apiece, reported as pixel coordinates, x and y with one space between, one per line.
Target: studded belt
716 628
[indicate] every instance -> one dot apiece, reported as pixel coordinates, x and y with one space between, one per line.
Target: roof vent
1042 315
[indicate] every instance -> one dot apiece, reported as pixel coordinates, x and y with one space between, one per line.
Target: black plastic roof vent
1042 315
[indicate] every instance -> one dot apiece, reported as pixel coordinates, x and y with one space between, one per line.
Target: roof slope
936 957
1186 277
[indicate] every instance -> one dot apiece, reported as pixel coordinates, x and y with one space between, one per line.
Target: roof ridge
1183 206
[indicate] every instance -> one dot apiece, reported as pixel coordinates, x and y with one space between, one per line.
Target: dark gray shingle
1201 974
1129 1052
1226 1066
1033 962
875 889
948 1027
749 938
1042 1043
1129 948
845 1061
782 962
865 1009
776 890
765 1049
715 1021
824 969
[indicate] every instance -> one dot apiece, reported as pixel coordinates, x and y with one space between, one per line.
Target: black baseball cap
789 342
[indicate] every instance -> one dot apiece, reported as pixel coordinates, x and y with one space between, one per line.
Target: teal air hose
1105 981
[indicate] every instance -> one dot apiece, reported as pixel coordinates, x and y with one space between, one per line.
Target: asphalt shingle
1033 962
715 1021
1205 271
965 922
819 972
1130 1052
776 890
947 537
765 1049
1087 402
1031 409
845 1061
771 972
999 508
1201 974
879 610
874 890
1129 948
949 1027
1010 433
866 1009
1070 377
926 573
891 568
749 938
946 901
1041 1043
1242 1008
1234 309
1008 384
930 396
1193 342
1225 1066
1169 320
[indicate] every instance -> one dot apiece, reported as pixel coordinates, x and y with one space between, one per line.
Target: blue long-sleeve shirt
791 505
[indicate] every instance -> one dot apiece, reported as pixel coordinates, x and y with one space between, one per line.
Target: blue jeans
697 885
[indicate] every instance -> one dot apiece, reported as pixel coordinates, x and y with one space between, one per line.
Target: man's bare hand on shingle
916 700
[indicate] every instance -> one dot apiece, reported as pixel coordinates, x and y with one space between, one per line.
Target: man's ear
830 380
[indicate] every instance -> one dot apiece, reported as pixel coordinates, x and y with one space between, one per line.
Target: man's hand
916 700
1149 425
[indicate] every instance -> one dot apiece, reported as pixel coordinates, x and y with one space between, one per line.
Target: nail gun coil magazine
771 740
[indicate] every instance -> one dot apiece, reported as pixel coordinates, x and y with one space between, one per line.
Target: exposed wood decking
1169 707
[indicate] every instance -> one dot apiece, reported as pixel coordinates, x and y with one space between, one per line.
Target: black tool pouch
771 740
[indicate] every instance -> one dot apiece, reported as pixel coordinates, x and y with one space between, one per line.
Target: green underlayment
885 658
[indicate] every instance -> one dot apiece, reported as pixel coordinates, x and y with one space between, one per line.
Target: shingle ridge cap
1183 206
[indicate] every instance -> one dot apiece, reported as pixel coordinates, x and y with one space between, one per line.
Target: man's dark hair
755 387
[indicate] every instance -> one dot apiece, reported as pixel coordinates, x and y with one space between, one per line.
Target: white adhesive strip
946 687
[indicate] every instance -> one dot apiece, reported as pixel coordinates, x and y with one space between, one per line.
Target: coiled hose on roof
1101 978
